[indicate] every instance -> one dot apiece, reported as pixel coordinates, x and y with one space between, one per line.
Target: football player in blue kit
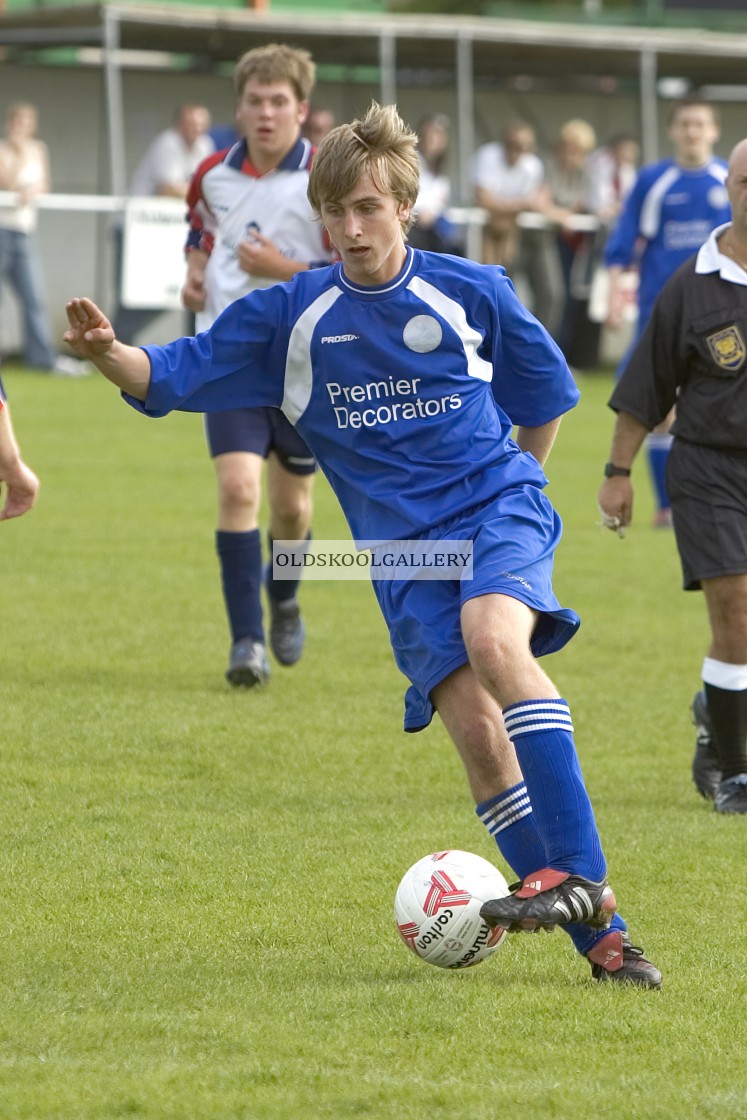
405 372
671 210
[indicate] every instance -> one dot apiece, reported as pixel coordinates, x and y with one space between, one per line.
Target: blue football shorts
514 540
259 431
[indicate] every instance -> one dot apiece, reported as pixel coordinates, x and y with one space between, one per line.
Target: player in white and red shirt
251 225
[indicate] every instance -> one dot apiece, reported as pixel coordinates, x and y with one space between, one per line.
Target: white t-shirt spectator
492 172
169 160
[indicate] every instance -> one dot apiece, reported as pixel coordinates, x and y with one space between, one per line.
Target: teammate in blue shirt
406 372
670 212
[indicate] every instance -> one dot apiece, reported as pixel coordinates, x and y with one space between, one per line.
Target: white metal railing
88 203
470 218
462 215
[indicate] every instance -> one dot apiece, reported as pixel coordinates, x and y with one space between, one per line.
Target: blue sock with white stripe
510 821
542 734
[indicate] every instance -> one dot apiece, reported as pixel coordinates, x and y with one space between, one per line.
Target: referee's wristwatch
611 471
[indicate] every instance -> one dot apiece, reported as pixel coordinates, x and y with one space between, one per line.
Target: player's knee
293 507
239 490
491 655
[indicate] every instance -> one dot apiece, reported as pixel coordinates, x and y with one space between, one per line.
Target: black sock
240 556
281 590
728 712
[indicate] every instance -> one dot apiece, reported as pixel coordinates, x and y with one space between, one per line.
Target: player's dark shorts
708 492
514 539
260 431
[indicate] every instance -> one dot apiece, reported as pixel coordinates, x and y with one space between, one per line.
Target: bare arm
172 190
498 208
21 484
616 493
538 441
194 293
616 309
90 335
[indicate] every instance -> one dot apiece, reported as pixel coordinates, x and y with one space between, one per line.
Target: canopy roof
399 50
421 42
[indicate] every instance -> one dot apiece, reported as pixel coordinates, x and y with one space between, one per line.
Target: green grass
196 886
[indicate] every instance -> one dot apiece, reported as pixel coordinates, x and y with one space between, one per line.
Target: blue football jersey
406 393
670 211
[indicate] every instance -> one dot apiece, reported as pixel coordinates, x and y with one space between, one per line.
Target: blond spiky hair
381 145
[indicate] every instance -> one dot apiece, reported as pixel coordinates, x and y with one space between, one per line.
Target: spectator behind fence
565 252
612 172
507 177
318 123
613 169
24 171
164 172
432 229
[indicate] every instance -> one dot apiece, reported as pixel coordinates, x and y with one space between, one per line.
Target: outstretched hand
90 334
21 488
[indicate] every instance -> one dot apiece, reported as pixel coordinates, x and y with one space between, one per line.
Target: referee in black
694 352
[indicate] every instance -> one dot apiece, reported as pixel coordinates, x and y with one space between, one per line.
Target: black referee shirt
694 352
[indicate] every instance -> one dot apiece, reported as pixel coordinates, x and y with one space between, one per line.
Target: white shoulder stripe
298 372
651 209
454 315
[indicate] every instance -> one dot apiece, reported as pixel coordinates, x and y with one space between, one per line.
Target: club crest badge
727 347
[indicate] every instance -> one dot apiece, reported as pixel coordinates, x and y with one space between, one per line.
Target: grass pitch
197 884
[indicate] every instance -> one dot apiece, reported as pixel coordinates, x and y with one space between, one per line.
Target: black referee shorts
708 492
259 430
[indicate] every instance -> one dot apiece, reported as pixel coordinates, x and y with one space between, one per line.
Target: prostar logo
339 338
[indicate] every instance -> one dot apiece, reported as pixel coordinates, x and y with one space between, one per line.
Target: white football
437 908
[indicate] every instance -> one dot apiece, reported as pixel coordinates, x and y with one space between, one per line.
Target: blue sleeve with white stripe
621 243
238 363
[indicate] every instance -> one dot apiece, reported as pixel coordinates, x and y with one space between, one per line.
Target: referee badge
727 347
